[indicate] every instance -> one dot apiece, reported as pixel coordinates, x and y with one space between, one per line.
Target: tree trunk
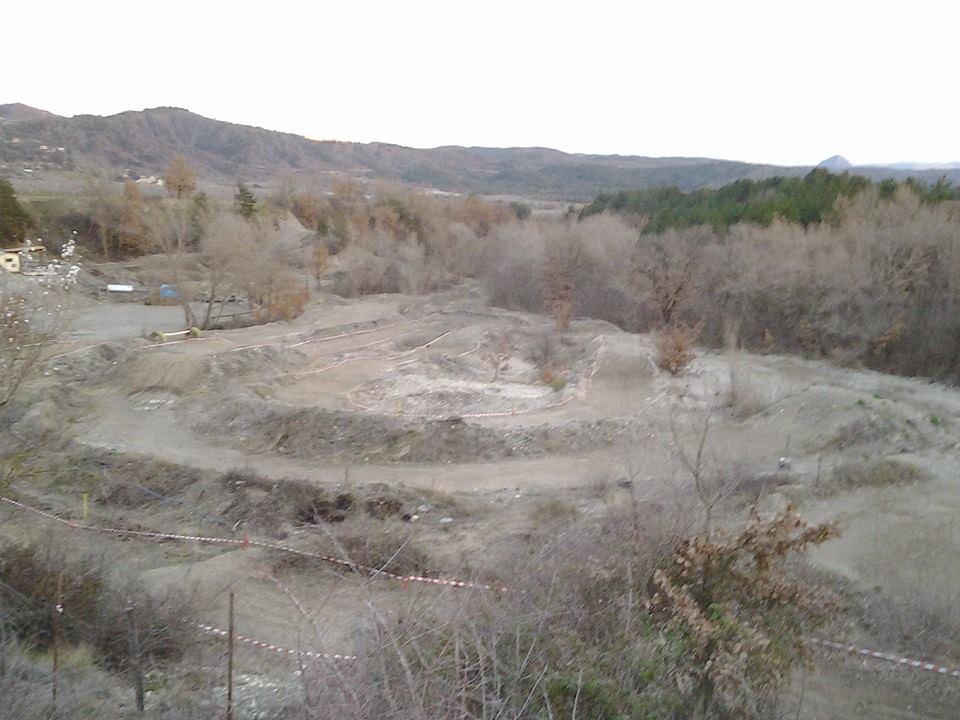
188 315
209 312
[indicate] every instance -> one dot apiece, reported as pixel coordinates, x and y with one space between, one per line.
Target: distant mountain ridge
838 163
18 111
921 166
144 142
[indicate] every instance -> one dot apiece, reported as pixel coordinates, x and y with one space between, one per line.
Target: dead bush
362 273
748 396
551 374
261 502
675 346
155 298
572 631
381 507
25 676
553 510
34 579
287 304
137 482
386 546
884 472
124 480
367 542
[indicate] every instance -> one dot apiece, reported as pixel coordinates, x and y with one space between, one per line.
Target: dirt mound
360 437
841 423
263 360
111 479
88 364
276 506
157 370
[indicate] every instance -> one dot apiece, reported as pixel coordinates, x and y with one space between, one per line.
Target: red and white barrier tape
888 657
279 650
829 644
247 542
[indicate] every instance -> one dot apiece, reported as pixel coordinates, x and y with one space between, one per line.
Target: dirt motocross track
439 407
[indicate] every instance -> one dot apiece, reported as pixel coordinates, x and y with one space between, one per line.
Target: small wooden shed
19 259
10 261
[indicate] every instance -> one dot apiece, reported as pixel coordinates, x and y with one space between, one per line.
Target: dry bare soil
429 420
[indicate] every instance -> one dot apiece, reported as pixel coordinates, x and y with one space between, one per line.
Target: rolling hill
143 142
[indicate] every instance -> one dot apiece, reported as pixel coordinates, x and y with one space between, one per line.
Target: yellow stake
86 505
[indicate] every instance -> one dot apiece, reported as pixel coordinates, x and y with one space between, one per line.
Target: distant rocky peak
836 162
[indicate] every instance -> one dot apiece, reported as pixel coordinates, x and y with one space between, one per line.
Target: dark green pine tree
14 220
245 202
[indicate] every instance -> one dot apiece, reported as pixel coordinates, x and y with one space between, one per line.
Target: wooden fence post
135 666
230 635
57 610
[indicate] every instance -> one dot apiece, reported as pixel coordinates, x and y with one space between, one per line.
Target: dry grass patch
389 546
748 396
34 579
884 472
553 510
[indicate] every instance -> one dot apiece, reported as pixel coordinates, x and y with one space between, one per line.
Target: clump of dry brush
618 619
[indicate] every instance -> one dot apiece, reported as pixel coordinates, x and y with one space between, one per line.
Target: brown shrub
262 502
285 304
552 375
675 346
370 543
880 345
743 618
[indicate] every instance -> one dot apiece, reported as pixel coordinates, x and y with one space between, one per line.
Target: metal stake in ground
57 611
230 636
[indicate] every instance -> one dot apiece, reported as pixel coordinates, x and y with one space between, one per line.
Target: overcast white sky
765 81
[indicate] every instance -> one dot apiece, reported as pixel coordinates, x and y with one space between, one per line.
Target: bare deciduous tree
666 269
169 230
102 205
180 179
130 224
